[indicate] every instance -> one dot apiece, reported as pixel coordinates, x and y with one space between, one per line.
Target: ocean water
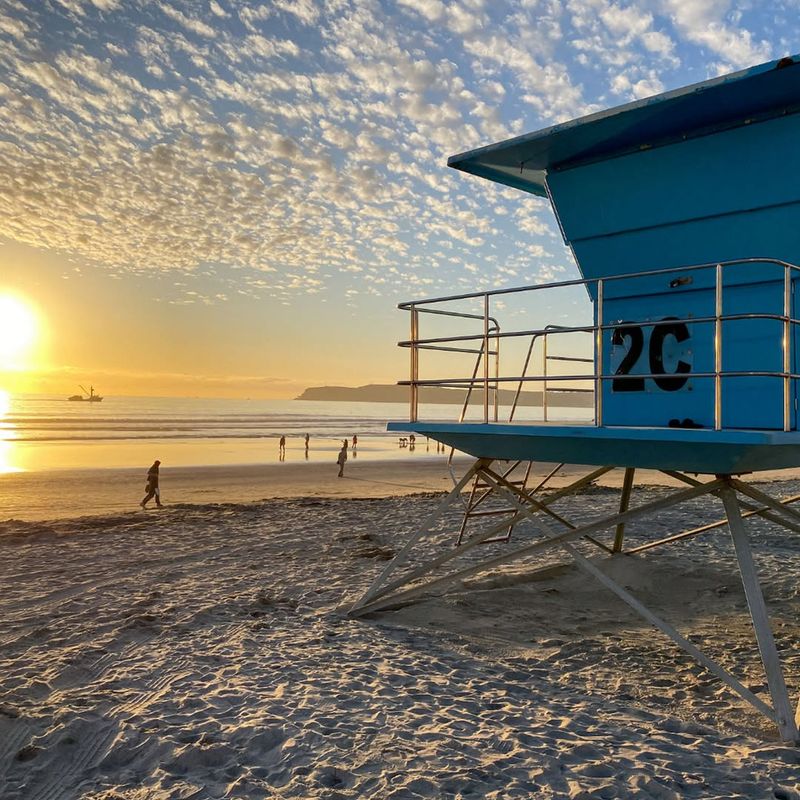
43 432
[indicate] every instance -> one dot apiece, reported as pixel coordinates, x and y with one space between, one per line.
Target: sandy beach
204 651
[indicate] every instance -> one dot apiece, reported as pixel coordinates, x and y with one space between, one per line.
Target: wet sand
64 493
70 493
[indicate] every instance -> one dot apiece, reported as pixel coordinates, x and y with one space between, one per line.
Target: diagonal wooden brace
540 504
378 589
770 502
763 511
514 555
432 520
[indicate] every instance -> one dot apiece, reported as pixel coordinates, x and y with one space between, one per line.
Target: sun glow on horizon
19 332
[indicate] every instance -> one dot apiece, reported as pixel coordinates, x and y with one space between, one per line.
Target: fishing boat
86 397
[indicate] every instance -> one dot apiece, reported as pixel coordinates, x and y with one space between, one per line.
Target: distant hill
380 393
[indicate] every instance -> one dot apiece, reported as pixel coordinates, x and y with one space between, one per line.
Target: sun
19 329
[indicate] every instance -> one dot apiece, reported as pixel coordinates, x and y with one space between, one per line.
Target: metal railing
491 336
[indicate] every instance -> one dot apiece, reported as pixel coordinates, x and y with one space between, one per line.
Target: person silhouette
151 488
282 448
342 459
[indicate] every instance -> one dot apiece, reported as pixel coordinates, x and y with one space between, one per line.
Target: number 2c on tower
624 381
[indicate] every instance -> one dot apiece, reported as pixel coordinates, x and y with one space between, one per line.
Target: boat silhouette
86 397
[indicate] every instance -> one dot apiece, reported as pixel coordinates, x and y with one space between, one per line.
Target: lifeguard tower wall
707 174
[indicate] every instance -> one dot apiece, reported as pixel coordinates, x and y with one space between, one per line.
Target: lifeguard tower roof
752 95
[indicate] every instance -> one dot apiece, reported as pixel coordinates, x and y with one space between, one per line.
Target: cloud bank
305 142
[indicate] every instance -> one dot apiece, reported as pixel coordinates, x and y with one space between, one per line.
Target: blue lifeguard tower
682 212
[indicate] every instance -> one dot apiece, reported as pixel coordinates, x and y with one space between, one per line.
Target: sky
229 197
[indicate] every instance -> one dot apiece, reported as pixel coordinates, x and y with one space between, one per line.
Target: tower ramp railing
599 374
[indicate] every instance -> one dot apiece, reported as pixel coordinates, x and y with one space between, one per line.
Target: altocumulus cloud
307 139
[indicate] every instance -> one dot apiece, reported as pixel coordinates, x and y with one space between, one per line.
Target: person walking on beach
152 486
307 438
282 448
355 441
342 459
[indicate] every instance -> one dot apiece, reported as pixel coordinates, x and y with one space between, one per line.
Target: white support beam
784 716
379 596
641 609
682 642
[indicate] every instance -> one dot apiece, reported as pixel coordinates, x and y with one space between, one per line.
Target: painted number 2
624 382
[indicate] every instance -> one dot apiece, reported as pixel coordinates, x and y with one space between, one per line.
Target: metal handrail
415 343
484 352
474 375
606 327
409 304
534 337
455 382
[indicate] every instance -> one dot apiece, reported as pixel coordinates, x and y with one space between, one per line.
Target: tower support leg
624 502
784 715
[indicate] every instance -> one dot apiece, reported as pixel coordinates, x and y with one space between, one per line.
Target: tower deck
728 452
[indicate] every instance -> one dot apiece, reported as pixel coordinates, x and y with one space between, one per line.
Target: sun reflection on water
7 436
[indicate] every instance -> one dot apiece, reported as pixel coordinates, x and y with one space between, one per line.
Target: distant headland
380 393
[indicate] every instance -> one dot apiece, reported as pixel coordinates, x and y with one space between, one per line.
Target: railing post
497 372
486 358
544 375
598 378
718 349
522 378
787 362
414 410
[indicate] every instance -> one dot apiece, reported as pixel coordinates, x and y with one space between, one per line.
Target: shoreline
69 493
